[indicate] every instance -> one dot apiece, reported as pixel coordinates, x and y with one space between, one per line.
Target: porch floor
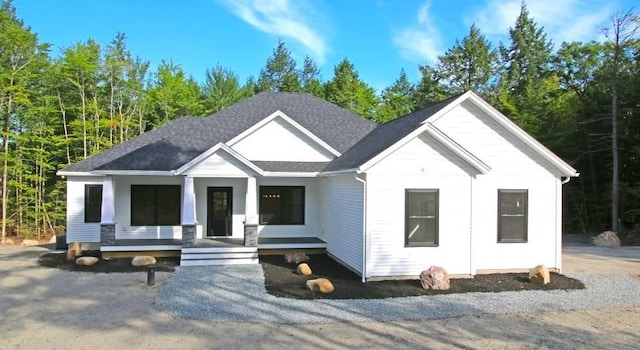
176 244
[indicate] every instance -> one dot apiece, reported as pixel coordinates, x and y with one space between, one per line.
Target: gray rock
607 239
86 260
143 260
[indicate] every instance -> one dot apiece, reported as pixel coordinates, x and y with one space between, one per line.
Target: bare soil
112 265
281 280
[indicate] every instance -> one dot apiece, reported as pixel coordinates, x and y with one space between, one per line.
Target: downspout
565 181
364 227
559 240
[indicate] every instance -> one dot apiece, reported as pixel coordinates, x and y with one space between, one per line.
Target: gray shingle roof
296 167
383 137
175 144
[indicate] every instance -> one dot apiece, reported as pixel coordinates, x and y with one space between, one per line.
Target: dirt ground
43 308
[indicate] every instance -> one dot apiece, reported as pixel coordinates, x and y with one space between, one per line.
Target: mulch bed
59 261
281 280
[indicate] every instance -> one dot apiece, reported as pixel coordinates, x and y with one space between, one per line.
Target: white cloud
563 20
285 18
421 41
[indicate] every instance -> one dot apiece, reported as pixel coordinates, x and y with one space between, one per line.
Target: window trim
304 206
525 238
436 241
155 205
87 219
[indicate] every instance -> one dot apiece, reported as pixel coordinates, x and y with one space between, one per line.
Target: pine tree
280 73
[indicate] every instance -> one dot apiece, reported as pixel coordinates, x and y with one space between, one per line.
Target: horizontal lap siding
280 141
124 230
342 228
422 163
77 229
311 209
513 166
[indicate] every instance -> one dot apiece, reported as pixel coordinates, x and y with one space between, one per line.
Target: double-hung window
421 217
512 216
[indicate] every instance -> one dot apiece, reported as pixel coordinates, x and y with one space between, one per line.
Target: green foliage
221 89
280 73
346 90
397 100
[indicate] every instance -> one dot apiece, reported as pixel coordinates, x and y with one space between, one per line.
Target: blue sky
380 37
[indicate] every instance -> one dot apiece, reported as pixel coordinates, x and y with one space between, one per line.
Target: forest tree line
582 100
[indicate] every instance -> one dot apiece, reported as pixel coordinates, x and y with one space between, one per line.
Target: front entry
219 209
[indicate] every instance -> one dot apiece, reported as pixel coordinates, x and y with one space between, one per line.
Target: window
421 218
155 205
512 215
282 205
92 203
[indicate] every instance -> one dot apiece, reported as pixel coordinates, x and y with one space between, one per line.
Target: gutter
364 227
565 181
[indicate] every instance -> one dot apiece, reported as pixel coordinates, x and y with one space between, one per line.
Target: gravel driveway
43 308
237 293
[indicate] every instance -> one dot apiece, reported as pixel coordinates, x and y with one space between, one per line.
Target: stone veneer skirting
108 234
250 235
188 235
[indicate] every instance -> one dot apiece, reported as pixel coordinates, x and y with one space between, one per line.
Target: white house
456 185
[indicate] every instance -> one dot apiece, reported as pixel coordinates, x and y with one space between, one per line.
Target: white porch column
251 203
188 213
107 216
108 201
251 214
189 203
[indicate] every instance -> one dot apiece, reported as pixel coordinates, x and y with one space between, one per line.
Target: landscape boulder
435 278
296 257
74 251
304 269
86 260
607 239
9 241
143 260
52 240
30 242
321 285
539 274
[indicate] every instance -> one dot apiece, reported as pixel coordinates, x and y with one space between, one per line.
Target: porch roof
291 167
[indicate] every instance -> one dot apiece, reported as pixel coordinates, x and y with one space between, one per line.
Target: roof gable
280 138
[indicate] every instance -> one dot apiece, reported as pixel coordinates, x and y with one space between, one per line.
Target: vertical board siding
220 164
124 230
239 187
311 209
77 229
422 163
280 141
342 228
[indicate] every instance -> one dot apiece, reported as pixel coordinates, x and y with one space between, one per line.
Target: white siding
220 164
342 197
77 229
479 134
542 223
422 163
124 230
513 166
311 209
239 187
280 141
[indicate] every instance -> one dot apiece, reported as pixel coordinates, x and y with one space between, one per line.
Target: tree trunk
614 153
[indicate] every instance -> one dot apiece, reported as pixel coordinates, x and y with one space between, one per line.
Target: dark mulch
281 280
59 261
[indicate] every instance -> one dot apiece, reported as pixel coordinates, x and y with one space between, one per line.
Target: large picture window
421 217
155 205
282 205
512 216
92 203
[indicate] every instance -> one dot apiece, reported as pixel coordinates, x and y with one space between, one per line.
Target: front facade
456 185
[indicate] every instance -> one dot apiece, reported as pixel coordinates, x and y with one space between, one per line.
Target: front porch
209 251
